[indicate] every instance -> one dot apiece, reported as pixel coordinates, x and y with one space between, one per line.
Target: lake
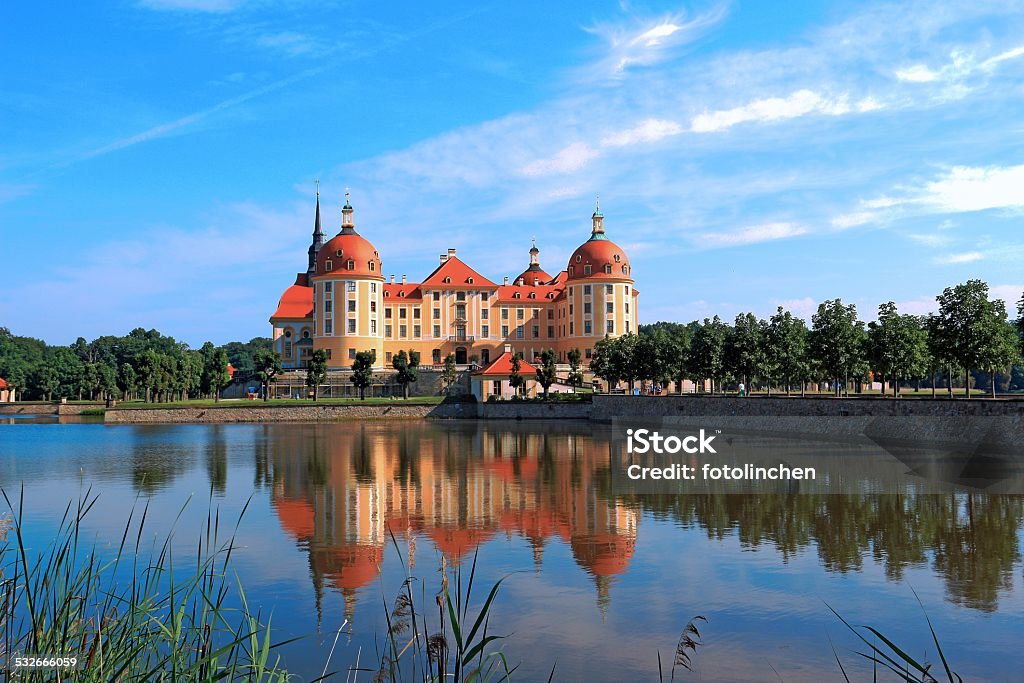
597 584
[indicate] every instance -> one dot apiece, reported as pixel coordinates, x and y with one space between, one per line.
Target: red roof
410 290
296 302
348 245
454 274
598 253
543 293
531 274
502 367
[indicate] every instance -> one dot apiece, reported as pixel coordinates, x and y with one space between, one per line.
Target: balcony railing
461 338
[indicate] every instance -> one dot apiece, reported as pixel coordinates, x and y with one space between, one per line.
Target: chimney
444 257
506 280
508 348
392 278
519 282
403 279
451 252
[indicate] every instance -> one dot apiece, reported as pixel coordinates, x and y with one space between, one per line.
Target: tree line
970 337
144 364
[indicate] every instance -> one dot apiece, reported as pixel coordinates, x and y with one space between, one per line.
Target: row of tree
970 332
141 364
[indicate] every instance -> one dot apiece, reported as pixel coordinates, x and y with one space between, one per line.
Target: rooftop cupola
534 256
347 225
597 233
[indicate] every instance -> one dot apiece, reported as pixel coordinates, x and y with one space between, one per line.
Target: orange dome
603 554
531 273
348 248
606 259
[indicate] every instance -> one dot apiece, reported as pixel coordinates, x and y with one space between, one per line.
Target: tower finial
317 181
597 231
347 225
597 205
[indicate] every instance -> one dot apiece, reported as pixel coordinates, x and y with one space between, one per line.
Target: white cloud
758 233
571 158
802 308
992 62
966 188
800 103
919 73
931 239
852 220
965 257
649 130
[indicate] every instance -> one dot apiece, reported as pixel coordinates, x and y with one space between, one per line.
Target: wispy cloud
647 43
753 235
649 130
769 109
570 158
964 257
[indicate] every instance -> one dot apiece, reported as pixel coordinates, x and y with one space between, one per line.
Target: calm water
599 585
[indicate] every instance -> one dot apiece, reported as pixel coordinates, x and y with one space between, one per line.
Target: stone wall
298 413
607 407
509 410
28 408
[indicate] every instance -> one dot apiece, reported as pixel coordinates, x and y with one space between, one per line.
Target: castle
343 304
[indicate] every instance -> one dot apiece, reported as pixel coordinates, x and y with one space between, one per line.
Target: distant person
742 389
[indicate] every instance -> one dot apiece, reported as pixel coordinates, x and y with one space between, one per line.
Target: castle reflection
342 490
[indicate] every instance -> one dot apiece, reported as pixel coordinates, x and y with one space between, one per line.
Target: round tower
599 298
348 290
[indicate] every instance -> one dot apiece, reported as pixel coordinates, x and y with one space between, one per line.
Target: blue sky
157 158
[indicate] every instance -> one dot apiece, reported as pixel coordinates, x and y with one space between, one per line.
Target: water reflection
341 490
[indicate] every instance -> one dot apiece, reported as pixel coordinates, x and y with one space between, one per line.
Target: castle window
504 331
572 270
586 269
533 295
373 286
328 354
625 269
351 354
536 332
387 330
387 313
588 354
351 306
373 327
327 266
403 313
437 313
351 326
516 295
338 253
416 314
520 314
504 314
627 309
328 286
387 356
469 279
551 331
403 331
328 327
578 258
401 294
387 295
572 328
288 349
416 331
617 258
484 313
327 306
551 314
607 269
485 331
610 307
305 334
627 290
519 332
586 327
351 285
447 280
609 289
460 296
287 334
611 326
586 290
437 296
437 331
372 266
586 308
373 307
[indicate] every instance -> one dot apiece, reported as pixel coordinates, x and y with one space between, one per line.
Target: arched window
469 279
372 266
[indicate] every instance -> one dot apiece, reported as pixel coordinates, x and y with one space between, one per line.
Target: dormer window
516 295
616 258
533 295
447 280
625 270
387 294
373 266
572 270
578 258
351 265
328 266
401 294
338 253
469 279
586 269
608 267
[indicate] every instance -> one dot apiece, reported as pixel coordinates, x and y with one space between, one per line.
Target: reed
135 615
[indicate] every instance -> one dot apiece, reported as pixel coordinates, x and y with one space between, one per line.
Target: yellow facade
345 305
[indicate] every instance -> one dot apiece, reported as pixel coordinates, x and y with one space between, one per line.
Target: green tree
837 341
970 329
215 372
316 371
547 372
898 346
515 378
268 369
449 373
127 380
745 348
602 365
362 371
406 366
575 369
786 349
707 352
46 380
1020 323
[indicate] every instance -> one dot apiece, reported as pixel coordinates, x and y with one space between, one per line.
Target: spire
597 232
318 236
347 225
